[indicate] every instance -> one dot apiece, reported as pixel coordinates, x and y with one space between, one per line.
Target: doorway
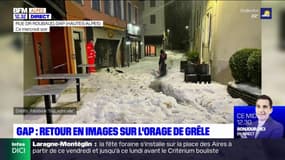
150 50
106 53
77 49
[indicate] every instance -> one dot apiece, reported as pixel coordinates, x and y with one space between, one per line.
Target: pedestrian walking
161 63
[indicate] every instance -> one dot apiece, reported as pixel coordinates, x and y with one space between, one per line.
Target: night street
112 97
142 79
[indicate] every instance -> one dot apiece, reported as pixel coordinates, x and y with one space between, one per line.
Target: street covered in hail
137 95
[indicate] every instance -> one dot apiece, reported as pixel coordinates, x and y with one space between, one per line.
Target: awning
134 37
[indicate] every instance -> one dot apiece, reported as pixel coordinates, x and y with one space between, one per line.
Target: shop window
152 3
152 19
96 4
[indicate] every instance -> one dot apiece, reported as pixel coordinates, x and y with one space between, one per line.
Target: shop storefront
108 46
133 43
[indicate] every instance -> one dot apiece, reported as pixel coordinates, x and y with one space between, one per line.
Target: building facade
154 26
219 29
64 48
107 39
134 32
42 52
111 42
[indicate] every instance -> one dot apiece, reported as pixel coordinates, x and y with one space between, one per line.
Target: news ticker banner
37 20
245 123
151 149
119 131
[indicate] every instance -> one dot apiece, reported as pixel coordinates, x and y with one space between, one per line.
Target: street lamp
168 38
186 45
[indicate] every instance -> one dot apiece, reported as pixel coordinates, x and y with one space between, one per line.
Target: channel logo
266 13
